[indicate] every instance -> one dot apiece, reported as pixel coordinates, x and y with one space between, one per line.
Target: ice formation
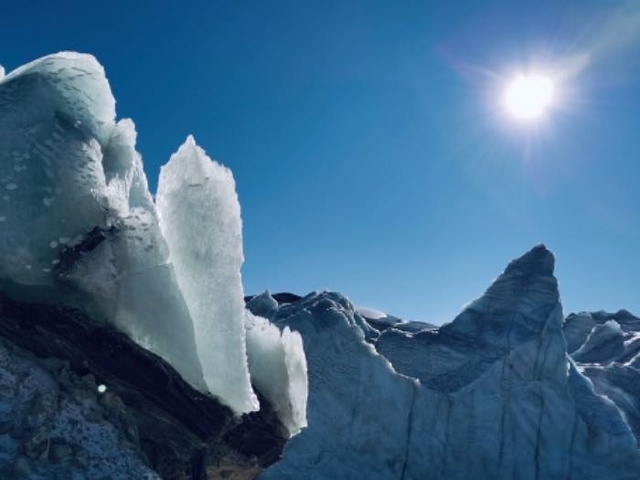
279 370
492 394
606 349
358 406
77 216
200 219
79 226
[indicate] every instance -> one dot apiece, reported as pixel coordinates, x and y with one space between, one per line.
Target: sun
528 97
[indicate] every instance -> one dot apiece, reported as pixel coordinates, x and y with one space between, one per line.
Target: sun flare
528 97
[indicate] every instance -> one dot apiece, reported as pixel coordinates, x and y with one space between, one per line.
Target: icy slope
493 394
606 348
357 411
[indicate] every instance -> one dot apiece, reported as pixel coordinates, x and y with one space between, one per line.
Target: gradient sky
370 149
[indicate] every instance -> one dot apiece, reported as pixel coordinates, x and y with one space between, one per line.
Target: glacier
492 394
606 349
80 227
511 388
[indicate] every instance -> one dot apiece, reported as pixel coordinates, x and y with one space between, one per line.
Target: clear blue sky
366 138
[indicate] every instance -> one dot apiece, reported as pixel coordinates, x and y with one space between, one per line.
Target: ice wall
200 219
492 394
76 217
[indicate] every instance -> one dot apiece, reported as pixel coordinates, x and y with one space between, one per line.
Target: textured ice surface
605 342
200 219
51 176
493 394
278 369
263 305
75 207
77 87
78 225
609 355
358 406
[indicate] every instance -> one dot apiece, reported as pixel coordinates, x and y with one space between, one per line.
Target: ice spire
200 219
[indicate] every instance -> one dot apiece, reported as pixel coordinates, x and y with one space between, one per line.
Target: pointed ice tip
190 148
538 260
190 141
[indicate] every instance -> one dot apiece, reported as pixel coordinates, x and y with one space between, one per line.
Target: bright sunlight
528 97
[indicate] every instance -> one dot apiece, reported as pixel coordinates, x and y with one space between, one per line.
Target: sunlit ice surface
528 97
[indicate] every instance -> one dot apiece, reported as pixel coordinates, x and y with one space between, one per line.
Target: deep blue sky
367 140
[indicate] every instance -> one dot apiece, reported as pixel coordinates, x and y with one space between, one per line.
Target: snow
200 219
613 327
371 313
278 369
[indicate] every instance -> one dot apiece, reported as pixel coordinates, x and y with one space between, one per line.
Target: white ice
200 219
78 214
278 369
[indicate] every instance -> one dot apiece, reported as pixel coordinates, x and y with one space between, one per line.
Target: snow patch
368 312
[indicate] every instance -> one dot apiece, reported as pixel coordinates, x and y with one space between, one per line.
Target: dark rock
36 447
59 451
178 428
